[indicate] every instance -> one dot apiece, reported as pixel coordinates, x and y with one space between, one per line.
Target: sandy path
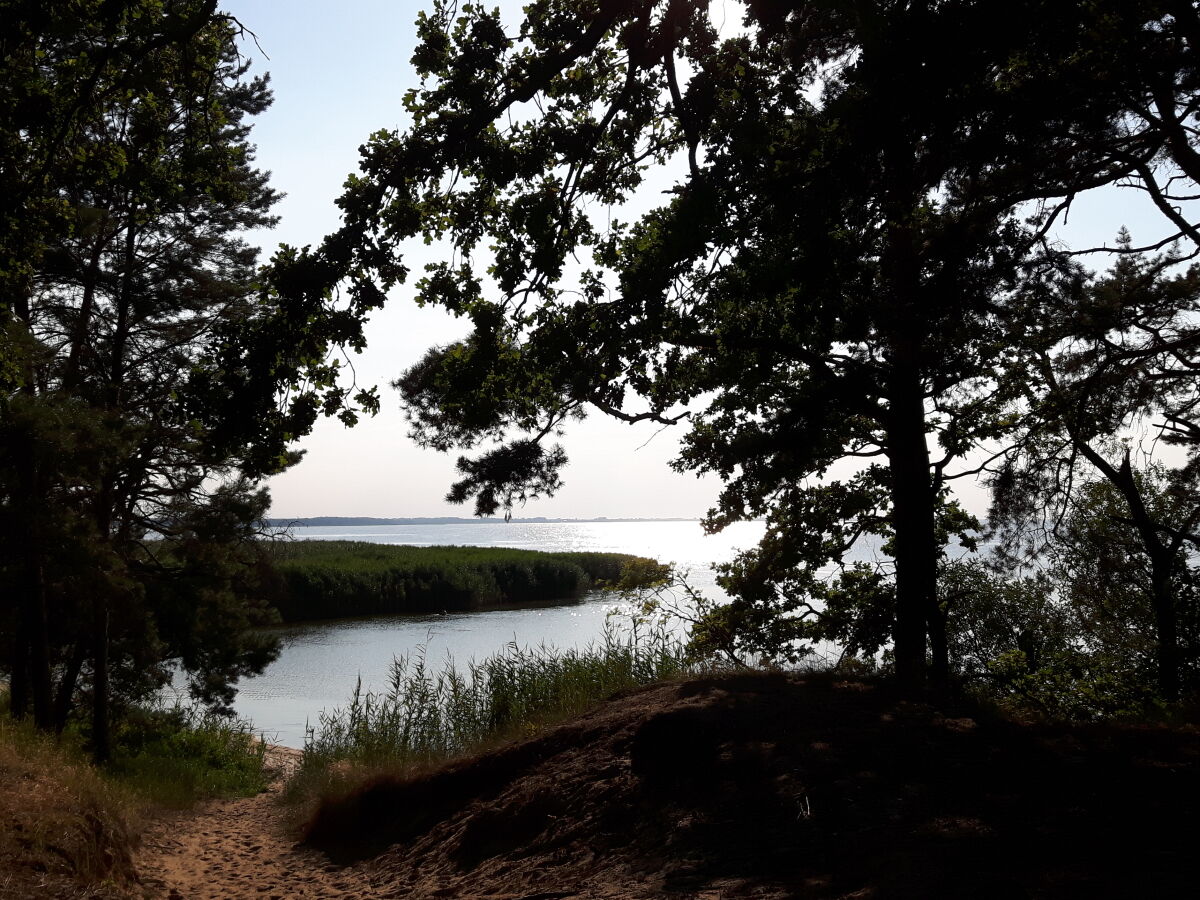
240 848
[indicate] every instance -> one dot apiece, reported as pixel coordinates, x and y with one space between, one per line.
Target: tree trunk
124 299
39 641
913 521
903 322
29 498
101 702
66 686
939 645
83 323
101 734
18 688
1167 625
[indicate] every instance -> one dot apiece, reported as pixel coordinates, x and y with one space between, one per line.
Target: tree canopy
130 301
853 195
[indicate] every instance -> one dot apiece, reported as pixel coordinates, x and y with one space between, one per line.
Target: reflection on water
321 662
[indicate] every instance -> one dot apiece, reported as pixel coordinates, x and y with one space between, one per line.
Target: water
321 662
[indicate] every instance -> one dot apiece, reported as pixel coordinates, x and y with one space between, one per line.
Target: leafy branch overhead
805 236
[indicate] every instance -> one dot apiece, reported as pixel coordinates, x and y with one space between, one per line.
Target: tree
1110 578
828 279
128 491
1106 358
1109 356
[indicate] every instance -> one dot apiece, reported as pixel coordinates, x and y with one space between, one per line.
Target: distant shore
326 521
333 579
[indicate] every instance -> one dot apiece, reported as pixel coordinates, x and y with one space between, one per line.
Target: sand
241 848
769 787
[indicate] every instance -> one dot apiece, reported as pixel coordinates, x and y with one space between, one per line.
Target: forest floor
739 786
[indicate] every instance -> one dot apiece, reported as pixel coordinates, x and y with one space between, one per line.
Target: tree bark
903 321
101 702
82 327
913 522
1167 626
64 699
18 688
29 497
124 302
39 643
101 733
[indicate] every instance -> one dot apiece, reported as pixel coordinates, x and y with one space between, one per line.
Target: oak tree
828 279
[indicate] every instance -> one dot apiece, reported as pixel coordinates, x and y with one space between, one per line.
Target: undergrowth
66 826
176 756
70 827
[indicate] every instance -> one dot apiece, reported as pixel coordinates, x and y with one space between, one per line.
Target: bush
176 756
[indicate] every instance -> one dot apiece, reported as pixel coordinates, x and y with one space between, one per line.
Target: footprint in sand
239 849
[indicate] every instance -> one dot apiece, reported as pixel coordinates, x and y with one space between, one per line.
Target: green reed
429 714
330 579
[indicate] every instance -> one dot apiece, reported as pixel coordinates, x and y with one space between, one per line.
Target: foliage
851 612
164 756
329 579
1027 644
860 319
1108 356
1107 578
177 756
128 180
71 827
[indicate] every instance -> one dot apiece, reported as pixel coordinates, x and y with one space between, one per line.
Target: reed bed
333 579
429 714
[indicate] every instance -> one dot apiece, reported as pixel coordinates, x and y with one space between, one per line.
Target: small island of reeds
335 579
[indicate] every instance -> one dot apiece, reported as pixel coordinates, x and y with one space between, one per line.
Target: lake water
321 662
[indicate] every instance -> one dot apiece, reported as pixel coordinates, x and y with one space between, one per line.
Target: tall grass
430 714
65 825
331 579
70 828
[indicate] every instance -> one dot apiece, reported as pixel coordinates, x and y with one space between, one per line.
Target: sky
339 72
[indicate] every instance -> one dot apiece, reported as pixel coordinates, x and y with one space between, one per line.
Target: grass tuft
429 715
67 828
70 827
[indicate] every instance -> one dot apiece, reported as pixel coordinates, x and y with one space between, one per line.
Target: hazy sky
339 71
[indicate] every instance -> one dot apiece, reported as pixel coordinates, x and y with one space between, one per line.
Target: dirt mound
770 786
63 832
